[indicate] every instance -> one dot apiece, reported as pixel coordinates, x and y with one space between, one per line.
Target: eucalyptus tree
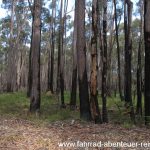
51 52
95 112
104 60
74 71
128 6
118 50
10 70
85 112
35 95
139 64
147 59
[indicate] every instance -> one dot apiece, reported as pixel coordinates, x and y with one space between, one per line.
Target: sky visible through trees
78 61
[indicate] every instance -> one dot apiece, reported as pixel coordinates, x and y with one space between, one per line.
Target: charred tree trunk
118 53
147 59
51 64
35 57
11 65
30 71
94 66
128 55
74 72
60 72
29 85
104 70
139 68
81 56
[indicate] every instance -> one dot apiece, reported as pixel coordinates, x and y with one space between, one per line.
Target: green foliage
119 114
17 105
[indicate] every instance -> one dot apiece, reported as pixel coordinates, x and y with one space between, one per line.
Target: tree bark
104 70
139 67
35 57
51 61
81 56
95 112
118 53
128 55
60 69
11 54
74 72
147 59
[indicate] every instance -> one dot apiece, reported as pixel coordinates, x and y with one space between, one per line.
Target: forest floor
62 129
17 134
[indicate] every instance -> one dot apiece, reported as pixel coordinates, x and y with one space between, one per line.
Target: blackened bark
104 70
29 85
11 54
94 66
60 69
125 45
49 68
139 82
118 53
139 67
52 47
81 56
73 89
128 55
147 59
74 73
35 57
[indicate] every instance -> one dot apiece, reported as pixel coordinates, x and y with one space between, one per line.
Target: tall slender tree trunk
60 69
81 55
118 53
125 45
29 85
95 112
139 67
35 57
111 41
147 59
51 61
30 71
128 55
104 70
11 54
74 72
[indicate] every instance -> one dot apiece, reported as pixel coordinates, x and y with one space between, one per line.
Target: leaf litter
17 134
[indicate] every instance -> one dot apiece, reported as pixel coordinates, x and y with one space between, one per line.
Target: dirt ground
16 134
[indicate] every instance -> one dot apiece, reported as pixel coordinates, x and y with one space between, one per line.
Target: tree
81 56
74 72
10 72
118 52
139 65
128 53
35 57
51 56
147 59
29 86
104 60
60 67
94 66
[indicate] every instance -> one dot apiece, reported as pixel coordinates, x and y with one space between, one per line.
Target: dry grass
18 134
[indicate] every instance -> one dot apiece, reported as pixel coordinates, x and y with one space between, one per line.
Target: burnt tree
94 65
81 56
147 59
